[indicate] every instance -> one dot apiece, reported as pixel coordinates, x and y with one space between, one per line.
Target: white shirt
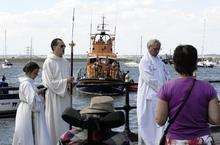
152 76
55 72
30 124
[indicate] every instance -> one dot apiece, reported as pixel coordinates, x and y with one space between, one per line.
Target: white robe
30 123
55 72
152 76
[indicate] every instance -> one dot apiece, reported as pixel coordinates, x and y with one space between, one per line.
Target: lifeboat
102 74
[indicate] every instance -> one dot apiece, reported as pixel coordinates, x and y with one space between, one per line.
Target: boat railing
82 74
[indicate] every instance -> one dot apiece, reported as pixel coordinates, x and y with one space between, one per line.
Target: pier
215 129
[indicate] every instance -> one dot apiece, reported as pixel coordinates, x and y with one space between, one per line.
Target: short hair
55 42
152 42
30 66
185 59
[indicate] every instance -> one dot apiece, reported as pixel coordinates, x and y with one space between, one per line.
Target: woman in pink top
191 126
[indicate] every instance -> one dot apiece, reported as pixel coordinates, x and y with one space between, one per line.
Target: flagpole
72 44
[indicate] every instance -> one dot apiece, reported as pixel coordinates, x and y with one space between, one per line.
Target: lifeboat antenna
103 30
103 23
90 34
114 38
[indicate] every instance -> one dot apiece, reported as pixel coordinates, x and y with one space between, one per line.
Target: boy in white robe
152 76
56 77
30 124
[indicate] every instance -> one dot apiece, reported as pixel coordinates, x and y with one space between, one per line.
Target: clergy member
56 77
152 76
30 124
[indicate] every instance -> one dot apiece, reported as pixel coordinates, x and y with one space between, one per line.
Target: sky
173 22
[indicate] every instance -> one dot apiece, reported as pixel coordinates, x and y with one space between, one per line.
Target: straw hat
99 104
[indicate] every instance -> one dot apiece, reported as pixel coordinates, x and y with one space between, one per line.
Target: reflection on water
6 131
80 100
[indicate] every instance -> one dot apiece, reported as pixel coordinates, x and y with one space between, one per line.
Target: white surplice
153 75
55 72
30 123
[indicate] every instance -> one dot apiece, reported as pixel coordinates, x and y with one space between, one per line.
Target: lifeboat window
103 61
92 60
111 61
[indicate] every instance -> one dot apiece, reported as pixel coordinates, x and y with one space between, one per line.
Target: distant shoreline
41 59
83 58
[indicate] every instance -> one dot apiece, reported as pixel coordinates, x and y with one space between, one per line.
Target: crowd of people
103 68
184 106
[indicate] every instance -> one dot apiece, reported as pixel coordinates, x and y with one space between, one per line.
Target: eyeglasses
156 48
62 46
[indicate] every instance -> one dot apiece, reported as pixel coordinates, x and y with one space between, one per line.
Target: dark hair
185 59
30 66
55 42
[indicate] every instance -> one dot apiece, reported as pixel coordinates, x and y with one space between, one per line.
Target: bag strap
172 120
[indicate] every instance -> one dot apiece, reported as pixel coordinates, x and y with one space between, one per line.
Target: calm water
79 100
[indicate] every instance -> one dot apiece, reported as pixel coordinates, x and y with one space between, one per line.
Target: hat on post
99 104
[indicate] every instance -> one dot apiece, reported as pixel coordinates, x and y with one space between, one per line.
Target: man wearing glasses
56 78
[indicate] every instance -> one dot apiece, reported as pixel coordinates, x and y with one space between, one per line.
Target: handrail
127 108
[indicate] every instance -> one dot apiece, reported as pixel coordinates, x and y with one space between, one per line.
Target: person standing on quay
153 75
189 103
56 77
30 124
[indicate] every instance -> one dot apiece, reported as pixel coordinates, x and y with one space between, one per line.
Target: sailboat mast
141 47
90 36
203 38
5 48
31 50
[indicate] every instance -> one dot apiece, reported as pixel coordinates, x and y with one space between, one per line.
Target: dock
215 129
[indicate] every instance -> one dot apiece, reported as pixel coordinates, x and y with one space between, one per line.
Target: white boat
8 101
8 106
131 64
206 63
6 63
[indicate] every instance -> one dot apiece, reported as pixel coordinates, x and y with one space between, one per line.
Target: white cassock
30 123
55 72
152 76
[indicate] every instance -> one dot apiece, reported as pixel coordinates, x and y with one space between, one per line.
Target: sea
81 100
